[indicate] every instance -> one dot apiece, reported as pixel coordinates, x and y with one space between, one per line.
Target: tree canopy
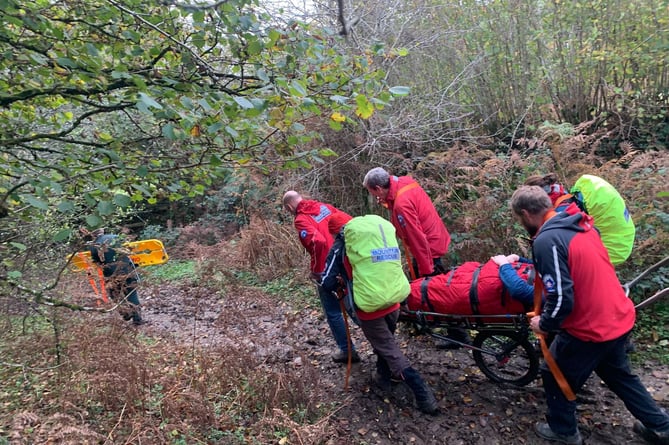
105 103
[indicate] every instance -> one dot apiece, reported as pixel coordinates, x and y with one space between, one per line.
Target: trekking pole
412 273
339 294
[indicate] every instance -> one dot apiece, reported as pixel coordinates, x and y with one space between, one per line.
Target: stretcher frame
503 348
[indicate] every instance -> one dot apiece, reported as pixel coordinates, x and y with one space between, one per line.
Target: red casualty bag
470 289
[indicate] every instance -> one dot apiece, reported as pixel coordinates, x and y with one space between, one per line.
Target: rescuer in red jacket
418 225
416 221
317 224
587 309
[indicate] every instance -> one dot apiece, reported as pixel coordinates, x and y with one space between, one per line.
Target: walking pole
339 294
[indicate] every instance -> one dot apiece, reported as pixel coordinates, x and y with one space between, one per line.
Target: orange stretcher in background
142 253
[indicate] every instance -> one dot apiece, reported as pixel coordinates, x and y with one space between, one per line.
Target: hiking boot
651 436
425 400
544 431
139 322
382 377
456 334
342 357
382 382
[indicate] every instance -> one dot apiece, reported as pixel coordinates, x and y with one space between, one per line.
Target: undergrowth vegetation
142 391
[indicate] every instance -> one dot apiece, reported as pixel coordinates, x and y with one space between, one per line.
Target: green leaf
14 274
66 62
20 247
168 131
274 35
400 90
243 102
149 102
255 47
65 206
122 200
187 102
105 208
37 203
339 99
327 152
262 75
62 235
297 89
92 50
93 221
365 108
215 161
231 131
119 74
213 128
205 105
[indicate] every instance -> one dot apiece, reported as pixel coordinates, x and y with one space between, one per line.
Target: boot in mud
425 400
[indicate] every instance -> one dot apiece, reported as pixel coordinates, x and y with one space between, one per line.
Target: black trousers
577 360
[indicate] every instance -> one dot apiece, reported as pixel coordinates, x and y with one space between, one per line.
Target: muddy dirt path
473 410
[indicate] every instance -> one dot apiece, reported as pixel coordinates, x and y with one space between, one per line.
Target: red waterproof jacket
317 224
417 222
583 294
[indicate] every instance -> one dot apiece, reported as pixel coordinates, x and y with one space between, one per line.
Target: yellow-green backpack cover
372 249
602 201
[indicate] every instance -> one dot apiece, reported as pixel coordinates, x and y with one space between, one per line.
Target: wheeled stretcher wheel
506 357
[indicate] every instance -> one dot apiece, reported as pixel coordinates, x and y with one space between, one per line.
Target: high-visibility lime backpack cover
602 201
372 249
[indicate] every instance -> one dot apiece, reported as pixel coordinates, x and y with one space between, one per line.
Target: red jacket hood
309 207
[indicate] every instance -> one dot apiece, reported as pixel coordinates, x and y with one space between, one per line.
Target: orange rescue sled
143 253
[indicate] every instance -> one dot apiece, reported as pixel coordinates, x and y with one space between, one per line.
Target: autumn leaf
337 117
365 108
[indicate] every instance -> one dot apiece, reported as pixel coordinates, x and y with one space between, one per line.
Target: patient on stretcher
502 285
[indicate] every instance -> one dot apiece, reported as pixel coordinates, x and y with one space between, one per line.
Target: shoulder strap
425 300
474 292
561 199
406 188
450 276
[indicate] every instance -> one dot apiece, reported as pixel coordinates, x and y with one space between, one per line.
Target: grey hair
377 177
531 198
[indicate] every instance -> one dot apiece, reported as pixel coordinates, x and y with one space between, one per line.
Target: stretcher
142 253
503 347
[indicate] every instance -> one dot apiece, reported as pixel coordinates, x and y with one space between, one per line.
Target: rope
548 357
